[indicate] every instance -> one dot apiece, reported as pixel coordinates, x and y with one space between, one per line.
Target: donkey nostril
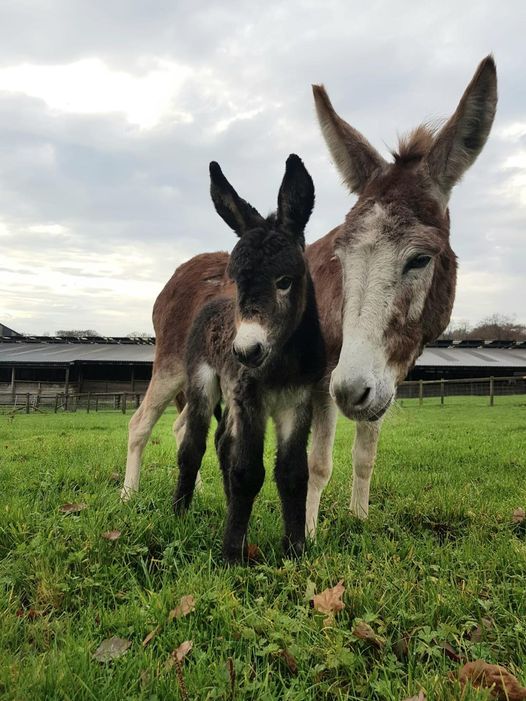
364 396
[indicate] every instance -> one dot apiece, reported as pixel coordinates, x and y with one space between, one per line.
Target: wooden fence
422 390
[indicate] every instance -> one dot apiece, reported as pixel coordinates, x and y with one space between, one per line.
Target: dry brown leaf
111 535
289 660
253 553
449 651
479 632
115 477
330 600
183 650
185 606
111 649
519 515
421 697
401 649
151 635
364 631
72 508
503 685
31 614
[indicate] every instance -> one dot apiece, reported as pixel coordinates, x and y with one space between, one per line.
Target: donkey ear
353 155
295 198
463 136
236 212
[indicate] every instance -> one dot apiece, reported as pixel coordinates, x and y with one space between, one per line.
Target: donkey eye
284 283
416 263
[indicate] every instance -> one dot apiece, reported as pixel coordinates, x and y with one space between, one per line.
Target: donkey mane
414 146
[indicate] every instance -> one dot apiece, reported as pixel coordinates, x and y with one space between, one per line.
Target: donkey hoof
293 549
127 493
180 504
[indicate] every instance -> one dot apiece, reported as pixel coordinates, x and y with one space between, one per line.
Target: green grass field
438 557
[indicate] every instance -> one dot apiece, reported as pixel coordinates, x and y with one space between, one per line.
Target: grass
438 555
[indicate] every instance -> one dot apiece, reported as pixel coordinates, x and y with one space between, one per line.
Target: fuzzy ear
236 212
295 198
353 155
462 138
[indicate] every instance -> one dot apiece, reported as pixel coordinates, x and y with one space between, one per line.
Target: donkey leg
363 454
223 442
162 388
320 456
292 473
178 429
202 398
246 477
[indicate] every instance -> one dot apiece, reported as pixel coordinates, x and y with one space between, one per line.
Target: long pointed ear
295 199
235 211
353 155
463 136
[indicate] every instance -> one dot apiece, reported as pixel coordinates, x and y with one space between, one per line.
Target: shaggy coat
262 351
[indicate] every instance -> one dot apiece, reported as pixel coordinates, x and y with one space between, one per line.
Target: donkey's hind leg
203 395
162 388
363 457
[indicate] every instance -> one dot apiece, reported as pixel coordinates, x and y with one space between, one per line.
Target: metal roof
125 353
68 353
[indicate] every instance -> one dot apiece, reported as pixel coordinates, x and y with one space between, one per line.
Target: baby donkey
263 352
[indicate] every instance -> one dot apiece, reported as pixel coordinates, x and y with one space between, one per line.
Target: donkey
262 352
384 282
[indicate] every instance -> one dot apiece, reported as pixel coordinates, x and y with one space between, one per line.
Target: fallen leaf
401 649
421 697
519 515
151 635
31 614
503 685
111 649
253 553
364 631
72 508
449 651
330 600
111 535
289 660
183 650
479 632
184 607
115 477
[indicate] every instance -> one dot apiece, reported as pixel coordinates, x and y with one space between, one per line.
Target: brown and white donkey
384 281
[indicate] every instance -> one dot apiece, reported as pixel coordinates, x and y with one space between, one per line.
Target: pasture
438 571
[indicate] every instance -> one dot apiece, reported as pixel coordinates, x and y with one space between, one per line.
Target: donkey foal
262 352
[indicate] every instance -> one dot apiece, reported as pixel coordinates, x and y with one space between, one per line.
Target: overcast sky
111 110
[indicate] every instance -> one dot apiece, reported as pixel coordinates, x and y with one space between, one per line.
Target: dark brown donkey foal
262 352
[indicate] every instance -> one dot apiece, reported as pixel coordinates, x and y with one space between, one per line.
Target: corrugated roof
67 353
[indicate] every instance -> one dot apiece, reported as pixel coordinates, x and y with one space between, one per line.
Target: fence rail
486 388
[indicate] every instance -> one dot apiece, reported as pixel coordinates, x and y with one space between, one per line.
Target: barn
97 365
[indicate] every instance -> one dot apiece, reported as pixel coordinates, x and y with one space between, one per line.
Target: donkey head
267 264
399 271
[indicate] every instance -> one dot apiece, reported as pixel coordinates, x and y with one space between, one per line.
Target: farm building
101 365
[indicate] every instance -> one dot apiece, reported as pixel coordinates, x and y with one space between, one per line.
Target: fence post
96 403
123 403
491 389
27 403
56 403
442 392
420 392
89 402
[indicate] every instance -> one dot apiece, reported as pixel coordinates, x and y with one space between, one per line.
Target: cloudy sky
111 110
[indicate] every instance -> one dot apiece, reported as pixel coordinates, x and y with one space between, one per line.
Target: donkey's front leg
246 477
363 457
292 473
320 456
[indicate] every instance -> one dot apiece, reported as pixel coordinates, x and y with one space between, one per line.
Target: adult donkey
384 280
